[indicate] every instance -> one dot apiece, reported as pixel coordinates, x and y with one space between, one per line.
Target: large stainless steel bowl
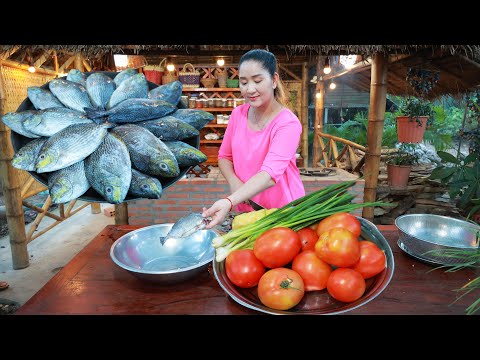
91 195
430 237
141 253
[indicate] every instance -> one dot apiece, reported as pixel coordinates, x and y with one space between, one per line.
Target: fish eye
164 166
145 187
42 156
109 189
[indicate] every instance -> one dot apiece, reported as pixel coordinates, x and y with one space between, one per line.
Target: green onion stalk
296 215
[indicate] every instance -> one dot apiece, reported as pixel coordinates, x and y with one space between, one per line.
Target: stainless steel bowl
141 253
425 236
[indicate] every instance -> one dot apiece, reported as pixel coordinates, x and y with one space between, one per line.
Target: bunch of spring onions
296 215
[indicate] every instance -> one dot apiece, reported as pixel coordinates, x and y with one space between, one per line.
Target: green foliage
461 176
414 107
406 154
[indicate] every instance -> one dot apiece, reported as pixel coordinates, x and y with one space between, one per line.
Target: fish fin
94 113
163 239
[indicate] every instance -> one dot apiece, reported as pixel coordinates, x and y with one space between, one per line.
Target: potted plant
399 164
412 118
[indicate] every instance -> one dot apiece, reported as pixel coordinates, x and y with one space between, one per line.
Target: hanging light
170 67
29 59
332 85
318 95
221 61
31 69
121 61
327 69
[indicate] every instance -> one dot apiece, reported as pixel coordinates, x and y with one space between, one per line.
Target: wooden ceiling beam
66 64
5 55
41 60
289 72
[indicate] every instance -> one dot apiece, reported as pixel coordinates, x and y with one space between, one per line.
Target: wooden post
378 99
78 62
121 214
55 61
10 182
319 107
95 208
304 115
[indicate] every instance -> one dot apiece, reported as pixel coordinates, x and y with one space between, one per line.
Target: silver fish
185 154
77 76
100 88
169 128
109 169
70 94
147 153
145 186
135 87
70 145
42 98
26 157
170 92
197 118
14 120
50 121
68 184
134 110
124 75
185 226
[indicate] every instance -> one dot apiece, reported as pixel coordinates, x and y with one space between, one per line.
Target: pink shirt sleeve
284 143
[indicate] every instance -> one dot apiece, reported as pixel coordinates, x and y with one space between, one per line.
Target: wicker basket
232 83
189 77
169 77
154 73
208 82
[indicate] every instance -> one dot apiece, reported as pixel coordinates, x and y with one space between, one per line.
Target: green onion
296 215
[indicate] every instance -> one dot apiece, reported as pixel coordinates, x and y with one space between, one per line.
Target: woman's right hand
218 212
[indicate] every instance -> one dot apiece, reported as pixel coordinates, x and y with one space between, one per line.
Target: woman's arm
220 209
226 168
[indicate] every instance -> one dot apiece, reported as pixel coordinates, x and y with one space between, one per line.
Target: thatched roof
458 65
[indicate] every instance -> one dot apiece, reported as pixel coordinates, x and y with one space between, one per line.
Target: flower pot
397 176
410 131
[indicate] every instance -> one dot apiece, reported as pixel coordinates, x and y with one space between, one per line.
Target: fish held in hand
186 226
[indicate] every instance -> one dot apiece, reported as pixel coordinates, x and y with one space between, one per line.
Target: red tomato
308 237
338 247
277 247
280 288
314 272
340 220
372 260
243 268
346 284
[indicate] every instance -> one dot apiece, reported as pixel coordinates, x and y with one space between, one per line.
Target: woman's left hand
218 211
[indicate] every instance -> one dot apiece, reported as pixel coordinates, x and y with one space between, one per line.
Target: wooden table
91 283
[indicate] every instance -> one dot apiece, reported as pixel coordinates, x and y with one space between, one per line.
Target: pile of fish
113 135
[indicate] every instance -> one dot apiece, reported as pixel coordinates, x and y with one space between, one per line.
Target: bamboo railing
351 156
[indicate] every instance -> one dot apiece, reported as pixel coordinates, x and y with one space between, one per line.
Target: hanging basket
154 73
410 131
189 77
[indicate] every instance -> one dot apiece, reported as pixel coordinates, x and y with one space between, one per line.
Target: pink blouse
272 149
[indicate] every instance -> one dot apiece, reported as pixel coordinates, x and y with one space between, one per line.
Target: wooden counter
91 283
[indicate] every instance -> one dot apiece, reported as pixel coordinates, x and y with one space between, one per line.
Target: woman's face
256 84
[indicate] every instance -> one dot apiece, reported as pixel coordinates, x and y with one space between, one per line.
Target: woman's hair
269 63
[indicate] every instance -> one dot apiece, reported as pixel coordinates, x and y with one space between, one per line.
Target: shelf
209 89
216 109
210 141
216 126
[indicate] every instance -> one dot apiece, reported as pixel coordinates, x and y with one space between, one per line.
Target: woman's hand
218 211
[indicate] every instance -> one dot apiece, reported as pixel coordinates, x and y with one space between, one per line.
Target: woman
258 152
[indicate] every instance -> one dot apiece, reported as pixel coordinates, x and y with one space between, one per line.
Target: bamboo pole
78 62
41 210
95 208
26 186
319 108
305 114
10 182
378 100
39 218
121 214
55 61
16 65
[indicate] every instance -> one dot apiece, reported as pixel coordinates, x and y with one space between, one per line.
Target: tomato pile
285 264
